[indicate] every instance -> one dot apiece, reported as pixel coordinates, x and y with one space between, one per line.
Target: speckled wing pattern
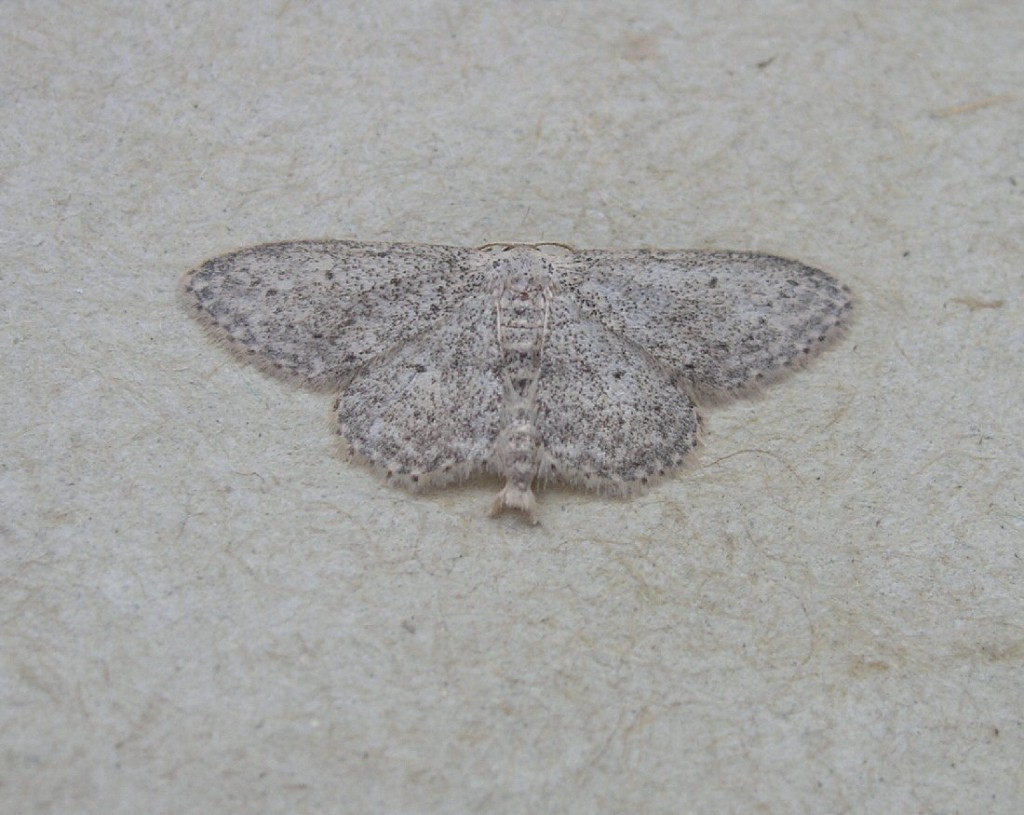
318 311
430 410
531 364
611 418
721 322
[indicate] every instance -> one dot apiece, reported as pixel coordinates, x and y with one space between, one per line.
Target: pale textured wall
205 609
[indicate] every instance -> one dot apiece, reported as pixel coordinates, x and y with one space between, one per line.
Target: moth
535 363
